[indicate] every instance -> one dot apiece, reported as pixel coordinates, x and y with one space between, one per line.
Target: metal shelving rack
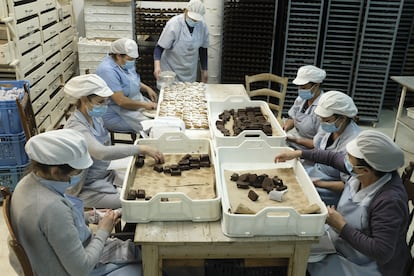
376 46
248 38
303 36
341 36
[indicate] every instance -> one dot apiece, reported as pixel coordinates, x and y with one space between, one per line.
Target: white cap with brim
85 85
196 10
309 73
125 46
378 150
59 147
335 102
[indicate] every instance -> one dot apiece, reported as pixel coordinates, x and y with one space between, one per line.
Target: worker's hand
152 94
288 124
153 152
335 219
204 76
157 69
109 220
292 139
288 155
150 105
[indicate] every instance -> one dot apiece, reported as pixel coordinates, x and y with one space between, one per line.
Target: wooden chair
27 116
273 91
409 186
13 243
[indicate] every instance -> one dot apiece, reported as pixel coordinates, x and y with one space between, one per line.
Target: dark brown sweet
205 164
267 184
244 177
277 181
164 199
158 168
253 195
252 178
175 172
242 184
167 169
185 167
139 162
186 157
195 166
148 197
183 162
234 177
194 160
204 157
281 188
140 193
132 194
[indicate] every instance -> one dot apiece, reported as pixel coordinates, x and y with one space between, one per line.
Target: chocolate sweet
132 194
158 168
242 184
234 177
140 193
253 195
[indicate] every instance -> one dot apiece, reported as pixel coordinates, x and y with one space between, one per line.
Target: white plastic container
182 207
215 108
257 155
410 112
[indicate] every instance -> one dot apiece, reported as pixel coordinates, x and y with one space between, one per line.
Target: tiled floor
386 124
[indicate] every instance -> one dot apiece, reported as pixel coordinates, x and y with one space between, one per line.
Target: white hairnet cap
59 147
309 73
336 102
377 149
86 85
125 46
196 10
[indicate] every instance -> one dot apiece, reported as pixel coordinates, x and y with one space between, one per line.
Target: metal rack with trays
38 33
247 45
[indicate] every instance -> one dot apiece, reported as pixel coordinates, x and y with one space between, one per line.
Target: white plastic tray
182 207
215 108
252 155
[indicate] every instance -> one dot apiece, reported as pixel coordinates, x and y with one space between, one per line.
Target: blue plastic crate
9 115
10 176
12 151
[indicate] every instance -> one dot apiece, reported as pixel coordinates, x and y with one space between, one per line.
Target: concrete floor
405 139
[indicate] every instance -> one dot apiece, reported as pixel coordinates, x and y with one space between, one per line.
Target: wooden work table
163 241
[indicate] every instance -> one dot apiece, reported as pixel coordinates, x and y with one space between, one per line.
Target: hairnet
125 46
196 10
377 149
336 102
86 85
59 147
309 73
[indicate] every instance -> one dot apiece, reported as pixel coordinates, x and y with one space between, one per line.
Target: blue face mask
130 64
305 94
75 179
98 110
350 168
329 127
191 22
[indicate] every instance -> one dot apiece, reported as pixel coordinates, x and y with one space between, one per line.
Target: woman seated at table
99 186
369 226
51 225
126 105
336 111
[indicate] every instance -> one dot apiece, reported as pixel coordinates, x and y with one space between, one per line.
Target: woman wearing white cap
182 42
303 123
50 225
91 95
126 104
336 111
369 226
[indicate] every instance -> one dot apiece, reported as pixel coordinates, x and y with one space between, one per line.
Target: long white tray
182 207
256 155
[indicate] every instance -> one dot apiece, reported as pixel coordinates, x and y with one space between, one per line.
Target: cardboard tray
180 207
215 108
272 220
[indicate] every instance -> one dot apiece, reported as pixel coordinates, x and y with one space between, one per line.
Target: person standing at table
99 186
369 225
183 42
303 124
126 105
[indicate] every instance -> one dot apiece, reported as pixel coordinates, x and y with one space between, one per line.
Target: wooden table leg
151 263
300 259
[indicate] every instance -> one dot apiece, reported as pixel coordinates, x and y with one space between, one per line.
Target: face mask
350 168
191 22
98 110
305 94
130 64
75 179
329 127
